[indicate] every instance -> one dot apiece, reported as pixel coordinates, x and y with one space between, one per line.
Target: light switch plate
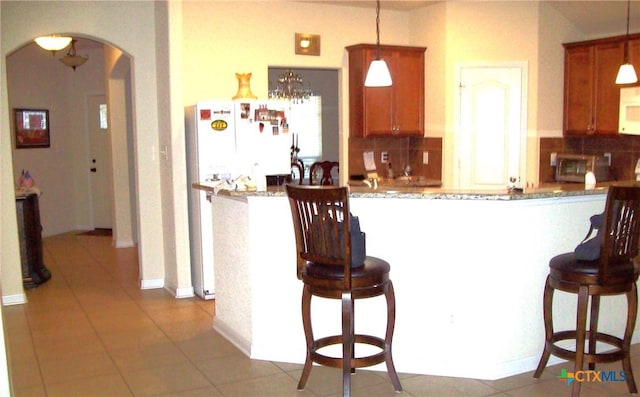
425 157
384 157
553 161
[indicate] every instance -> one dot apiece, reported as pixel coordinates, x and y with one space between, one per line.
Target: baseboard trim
17 299
123 243
180 293
152 284
229 334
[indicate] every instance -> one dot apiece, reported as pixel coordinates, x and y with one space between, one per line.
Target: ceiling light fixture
626 73
378 74
72 59
53 43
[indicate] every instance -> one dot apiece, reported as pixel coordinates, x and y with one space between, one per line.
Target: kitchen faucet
371 179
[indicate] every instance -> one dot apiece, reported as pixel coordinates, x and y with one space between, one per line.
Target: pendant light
72 59
378 74
626 73
53 43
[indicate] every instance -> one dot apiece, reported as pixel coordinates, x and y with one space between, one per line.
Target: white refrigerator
225 140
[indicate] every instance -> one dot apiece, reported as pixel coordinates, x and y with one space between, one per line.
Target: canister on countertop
589 180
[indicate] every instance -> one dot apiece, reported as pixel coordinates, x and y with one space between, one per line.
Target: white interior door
491 129
100 166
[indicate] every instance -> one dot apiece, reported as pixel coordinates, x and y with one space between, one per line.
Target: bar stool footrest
356 362
605 357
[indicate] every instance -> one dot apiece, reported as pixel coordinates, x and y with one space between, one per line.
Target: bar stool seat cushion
367 280
373 266
567 268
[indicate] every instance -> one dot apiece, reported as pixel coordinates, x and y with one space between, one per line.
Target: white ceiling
400 5
592 17
600 17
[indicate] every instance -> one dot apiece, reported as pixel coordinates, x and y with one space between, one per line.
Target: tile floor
90 331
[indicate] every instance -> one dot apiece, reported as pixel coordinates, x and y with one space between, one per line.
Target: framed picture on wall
31 128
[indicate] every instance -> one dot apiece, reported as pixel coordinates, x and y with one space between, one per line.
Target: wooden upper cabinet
634 58
397 110
578 90
591 96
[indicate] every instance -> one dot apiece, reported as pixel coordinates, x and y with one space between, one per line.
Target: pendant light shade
53 43
626 73
72 59
378 74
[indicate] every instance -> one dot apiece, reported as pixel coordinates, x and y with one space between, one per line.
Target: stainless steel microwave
573 167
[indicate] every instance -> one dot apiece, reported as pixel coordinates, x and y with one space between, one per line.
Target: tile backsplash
401 151
624 149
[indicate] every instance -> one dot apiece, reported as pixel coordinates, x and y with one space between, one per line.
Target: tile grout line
159 328
93 326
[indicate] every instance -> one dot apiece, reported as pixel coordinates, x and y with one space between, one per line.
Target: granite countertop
431 193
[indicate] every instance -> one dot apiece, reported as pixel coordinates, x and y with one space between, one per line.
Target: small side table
34 272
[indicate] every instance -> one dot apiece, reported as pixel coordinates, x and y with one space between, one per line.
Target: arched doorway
140 30
66 171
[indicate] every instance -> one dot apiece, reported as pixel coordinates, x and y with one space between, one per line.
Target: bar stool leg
391 322
632 307
593 327
547 308
308 333
348 340
581 328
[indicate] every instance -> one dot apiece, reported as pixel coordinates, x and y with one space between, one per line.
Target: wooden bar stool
322 172
297 172
323 230
614 273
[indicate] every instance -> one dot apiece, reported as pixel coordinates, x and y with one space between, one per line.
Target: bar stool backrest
326 171
321 225
621 229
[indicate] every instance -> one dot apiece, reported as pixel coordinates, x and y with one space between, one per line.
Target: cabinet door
399 109
378 117
408 91
591 97
634 58
608 58
578 90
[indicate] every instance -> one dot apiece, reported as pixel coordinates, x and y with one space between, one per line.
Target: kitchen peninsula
468 270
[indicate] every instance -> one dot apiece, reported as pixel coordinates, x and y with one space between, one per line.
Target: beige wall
222 38
117 79
129 26
429 26
490 32
177 263
453 32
